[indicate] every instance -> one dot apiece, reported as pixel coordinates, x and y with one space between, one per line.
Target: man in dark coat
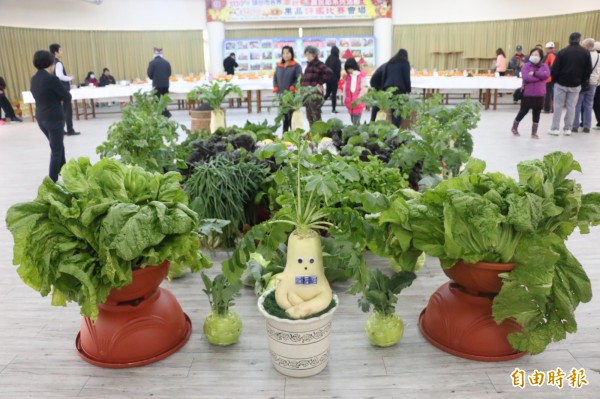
229 64
49 94
159 70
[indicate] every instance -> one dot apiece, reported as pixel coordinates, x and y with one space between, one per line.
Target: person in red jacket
356 86
549 60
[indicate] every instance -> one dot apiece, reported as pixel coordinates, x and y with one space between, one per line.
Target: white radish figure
302 288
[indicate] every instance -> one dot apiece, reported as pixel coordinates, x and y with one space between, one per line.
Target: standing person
333 62
377 84
61 74
285 78
549 60
596 106
229 64
159 70
517 61
48 92
571 68
397 74
9 112
355 86
585 102
534 73
106 78
501 63
316 74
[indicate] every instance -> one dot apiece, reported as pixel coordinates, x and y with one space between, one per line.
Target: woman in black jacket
397 74
333 62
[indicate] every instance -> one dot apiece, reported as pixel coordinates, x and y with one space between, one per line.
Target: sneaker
16 119
586 129
72 133
574 130
554 132
2 122
597 127
334 112
567 132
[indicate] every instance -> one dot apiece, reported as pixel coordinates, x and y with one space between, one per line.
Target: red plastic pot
139 324
481 277
461 324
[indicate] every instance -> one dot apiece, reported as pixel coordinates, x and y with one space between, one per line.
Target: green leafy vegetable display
144 137
490 217
83 236
214 93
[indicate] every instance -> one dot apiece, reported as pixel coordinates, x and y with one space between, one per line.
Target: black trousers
53 130
287 121
549 97
161 91
6 107
524 110
332 89
596 106
374 111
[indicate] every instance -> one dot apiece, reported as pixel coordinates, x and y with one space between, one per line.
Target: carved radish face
304 256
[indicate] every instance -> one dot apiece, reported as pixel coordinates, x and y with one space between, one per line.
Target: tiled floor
38 357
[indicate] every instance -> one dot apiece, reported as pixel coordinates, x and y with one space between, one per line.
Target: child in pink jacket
356 85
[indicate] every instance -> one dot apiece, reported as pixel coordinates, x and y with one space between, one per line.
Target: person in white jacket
585 101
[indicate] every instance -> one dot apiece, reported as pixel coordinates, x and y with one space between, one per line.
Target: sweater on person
397 75
316 73
535 85
572 66
285 76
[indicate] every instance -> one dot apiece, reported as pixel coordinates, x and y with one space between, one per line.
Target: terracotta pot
139 324
299 348
462 324
481 277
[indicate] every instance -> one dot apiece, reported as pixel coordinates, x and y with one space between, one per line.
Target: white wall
409 12
142 15
190 14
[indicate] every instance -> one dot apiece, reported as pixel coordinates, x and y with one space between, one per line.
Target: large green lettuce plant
83 236
490 217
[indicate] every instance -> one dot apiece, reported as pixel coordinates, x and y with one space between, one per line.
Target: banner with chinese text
262 10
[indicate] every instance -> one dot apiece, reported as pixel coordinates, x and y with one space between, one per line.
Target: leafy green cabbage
83 236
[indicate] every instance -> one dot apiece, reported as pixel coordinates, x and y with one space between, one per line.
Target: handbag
585 86
518 94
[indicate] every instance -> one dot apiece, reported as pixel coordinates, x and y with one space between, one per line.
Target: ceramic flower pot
479 278
139 324
299 348
462 324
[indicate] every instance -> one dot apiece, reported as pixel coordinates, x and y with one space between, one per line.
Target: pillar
216 36
383 30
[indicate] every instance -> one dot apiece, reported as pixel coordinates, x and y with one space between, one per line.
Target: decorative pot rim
500 266
311 320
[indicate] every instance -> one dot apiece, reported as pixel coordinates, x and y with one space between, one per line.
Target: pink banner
262 10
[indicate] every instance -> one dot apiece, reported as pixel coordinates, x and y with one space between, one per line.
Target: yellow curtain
474 44
260 33
125 53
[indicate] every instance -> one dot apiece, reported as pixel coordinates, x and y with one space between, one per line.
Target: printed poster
263 55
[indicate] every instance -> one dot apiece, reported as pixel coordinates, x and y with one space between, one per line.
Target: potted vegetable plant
293 101
488 224
300 309
385 100
144 137
222 326
384 327
214 94
86 238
